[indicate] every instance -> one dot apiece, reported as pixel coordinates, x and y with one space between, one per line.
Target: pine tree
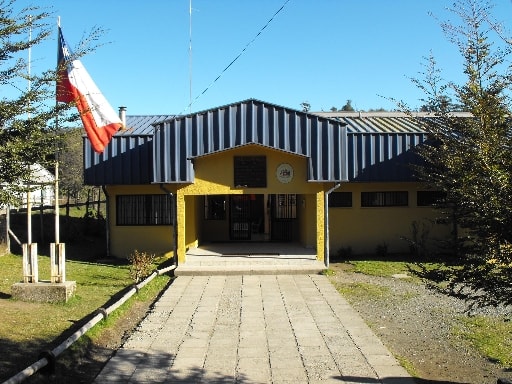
470 158
24 135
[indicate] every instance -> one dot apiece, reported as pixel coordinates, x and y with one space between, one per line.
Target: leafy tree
305 106
25 138
71 161
29 132
470 159
348 107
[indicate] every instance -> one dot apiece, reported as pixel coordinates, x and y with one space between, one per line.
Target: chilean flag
74 84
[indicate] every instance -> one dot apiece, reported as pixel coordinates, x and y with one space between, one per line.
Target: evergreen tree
29 131
348 107
24 135
470 158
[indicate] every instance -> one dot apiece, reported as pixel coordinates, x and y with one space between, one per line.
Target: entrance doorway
283 214
259 217
247 217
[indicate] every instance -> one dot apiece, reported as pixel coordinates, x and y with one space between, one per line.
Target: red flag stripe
74 84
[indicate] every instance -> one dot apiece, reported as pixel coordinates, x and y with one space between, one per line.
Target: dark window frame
429 198
215 207
384 199
144 210
250 171
340 200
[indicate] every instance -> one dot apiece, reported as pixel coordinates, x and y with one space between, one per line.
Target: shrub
141 265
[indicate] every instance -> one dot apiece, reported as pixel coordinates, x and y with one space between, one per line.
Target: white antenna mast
190 56
29 56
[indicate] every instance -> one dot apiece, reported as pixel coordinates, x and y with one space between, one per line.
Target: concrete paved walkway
250 259
253 329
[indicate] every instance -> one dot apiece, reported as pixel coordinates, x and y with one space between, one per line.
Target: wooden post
7 228
30 266
57 262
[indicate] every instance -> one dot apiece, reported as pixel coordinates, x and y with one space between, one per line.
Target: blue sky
320 51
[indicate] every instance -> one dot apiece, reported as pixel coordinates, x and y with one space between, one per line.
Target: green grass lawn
27 328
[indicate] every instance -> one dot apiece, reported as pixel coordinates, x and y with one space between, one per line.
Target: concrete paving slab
259 258
303 332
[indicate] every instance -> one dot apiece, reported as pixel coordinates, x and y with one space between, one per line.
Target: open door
247 216
283 214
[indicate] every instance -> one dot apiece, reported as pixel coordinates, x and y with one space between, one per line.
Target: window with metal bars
385 199
250 171
144 210
340 199
215 207
285 206
429 198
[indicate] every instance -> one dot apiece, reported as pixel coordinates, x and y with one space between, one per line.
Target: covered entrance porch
249 217
258 258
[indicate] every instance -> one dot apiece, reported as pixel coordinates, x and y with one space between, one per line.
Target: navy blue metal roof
374 157
141 124
252 121
128 158
339 147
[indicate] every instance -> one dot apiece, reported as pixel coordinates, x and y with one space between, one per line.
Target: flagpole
190 56
57 250
57 215
29 86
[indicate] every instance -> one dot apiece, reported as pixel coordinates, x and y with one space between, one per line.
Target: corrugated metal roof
384 122
251 121
339 145
380 157
126 160
141 124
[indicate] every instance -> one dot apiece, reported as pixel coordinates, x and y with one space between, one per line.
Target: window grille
385 199
144 210
429 198
340 199
250 171
215 207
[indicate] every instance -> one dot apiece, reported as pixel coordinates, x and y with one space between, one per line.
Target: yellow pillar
320 226
180 208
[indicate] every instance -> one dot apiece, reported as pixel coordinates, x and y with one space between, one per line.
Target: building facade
254 171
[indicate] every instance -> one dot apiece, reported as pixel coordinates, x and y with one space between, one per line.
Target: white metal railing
48 357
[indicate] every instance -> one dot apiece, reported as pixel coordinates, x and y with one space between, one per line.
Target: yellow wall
320 242
306 205
363 229
214 173
191 230
157 239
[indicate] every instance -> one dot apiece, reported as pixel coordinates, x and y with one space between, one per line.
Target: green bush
141 265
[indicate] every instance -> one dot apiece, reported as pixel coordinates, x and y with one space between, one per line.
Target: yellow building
254 171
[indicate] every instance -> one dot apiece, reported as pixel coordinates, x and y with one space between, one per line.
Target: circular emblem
284 173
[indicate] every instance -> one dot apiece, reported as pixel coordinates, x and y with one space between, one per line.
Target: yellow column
320 226
180 208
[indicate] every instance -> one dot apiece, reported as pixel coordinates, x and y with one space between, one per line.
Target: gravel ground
416 324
